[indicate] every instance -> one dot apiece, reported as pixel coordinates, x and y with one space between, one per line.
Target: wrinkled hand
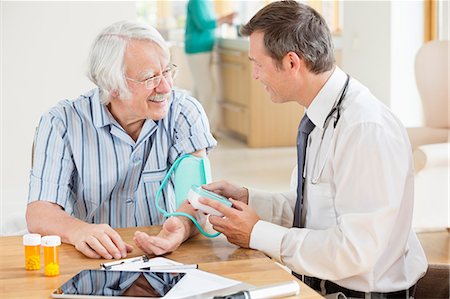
228 190
172 234
237 223
99 240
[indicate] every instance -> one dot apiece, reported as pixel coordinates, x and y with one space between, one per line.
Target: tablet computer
118 284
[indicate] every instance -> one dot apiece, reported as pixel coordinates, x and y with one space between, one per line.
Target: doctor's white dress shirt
358 199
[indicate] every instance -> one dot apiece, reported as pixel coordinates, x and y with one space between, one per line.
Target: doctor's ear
293 60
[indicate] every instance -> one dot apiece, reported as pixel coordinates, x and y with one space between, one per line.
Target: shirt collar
100 113
326 98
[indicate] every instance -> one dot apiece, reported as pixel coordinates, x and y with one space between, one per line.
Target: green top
200 24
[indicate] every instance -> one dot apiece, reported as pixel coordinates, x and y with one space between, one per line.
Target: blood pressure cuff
190 171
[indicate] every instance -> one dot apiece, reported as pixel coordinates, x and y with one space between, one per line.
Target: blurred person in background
199 42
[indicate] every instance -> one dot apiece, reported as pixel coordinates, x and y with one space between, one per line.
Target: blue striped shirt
85 162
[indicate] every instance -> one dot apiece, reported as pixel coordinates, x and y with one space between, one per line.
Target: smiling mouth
158 98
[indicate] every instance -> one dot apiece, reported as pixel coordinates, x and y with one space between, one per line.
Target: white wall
43 60
380 41
406 40
366 45
444 32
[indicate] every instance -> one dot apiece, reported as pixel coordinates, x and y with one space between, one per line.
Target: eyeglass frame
172 70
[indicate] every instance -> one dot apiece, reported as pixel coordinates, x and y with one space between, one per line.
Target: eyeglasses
168 74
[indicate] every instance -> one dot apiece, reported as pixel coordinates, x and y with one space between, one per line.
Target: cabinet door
236 77
235 118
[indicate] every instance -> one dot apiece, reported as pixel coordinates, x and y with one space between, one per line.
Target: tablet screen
120 283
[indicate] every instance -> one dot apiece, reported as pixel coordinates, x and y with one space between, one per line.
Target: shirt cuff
264 231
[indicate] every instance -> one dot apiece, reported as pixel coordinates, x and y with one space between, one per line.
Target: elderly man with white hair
100 159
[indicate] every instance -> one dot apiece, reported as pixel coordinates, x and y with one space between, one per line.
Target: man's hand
172 234
237 223
93 240
228 190
99 240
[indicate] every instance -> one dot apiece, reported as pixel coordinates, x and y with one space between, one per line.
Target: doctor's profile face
274 79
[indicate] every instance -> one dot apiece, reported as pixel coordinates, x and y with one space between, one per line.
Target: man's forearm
190 230
47 218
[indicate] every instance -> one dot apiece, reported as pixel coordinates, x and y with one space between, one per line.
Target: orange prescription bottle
32 246
51 255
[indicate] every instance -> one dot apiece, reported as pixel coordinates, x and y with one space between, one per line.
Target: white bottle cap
32 239
50 241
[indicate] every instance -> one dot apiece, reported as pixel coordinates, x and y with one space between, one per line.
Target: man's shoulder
80 105
365 110
364 106
183 101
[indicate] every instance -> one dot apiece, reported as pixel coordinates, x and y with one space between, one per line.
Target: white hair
106 67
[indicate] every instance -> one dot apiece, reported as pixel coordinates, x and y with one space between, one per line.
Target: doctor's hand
171 236
237 223
228 190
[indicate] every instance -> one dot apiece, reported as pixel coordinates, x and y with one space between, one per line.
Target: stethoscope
335 110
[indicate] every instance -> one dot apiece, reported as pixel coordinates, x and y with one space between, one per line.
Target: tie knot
306 125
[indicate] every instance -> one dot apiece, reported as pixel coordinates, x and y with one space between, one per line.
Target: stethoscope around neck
336 110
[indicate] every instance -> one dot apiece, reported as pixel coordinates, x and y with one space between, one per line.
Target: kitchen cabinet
247 111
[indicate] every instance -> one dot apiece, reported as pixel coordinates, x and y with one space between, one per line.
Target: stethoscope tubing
336 109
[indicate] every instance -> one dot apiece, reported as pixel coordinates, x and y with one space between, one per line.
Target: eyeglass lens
169 75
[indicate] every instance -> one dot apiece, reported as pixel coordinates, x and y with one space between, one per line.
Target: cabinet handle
234 108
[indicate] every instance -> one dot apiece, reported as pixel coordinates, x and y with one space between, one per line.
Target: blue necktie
306 126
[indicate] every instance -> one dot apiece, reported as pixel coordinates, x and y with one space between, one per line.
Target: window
430 20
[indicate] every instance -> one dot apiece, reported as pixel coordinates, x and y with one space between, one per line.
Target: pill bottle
51 255
32 246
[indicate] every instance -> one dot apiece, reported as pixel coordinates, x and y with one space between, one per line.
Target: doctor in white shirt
346 224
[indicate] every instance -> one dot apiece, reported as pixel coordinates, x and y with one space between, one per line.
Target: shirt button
136 160
129 201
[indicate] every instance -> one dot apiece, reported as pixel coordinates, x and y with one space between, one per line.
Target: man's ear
293 61
114 94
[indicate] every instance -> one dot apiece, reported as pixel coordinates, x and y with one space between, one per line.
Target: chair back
432 79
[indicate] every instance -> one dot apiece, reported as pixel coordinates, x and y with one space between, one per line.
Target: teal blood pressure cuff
190 171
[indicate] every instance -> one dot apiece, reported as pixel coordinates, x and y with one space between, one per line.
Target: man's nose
164 86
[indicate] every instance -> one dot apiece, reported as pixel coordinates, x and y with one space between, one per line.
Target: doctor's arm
240 219
270 206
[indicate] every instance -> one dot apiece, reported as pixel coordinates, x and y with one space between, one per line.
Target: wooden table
212 255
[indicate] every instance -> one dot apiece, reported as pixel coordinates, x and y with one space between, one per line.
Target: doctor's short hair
290 26
106 61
